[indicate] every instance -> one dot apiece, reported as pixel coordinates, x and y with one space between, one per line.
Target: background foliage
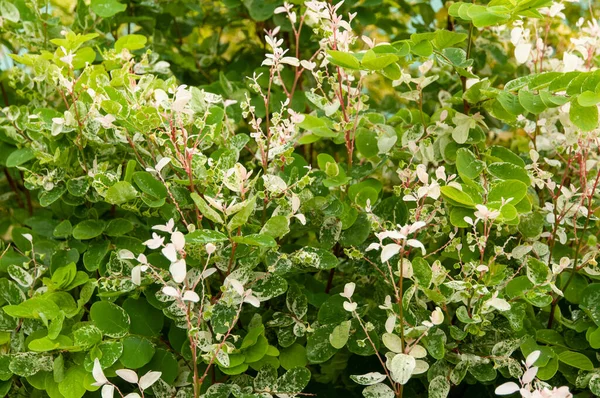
254 199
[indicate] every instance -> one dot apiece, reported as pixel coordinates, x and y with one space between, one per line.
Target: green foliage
246 198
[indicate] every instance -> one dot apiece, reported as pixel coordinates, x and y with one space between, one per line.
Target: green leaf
378 390
63 230
467 164
240 218
20 156
293 356
96 252
531 102
63 276
118 227
88 229
439 387
9 11
576 360
366 142
145 320
78 186
317 258
266 378
343 59
277 227
130 42
374 61
509 171
46 198
137 352
422 272
165 362
222 317
45 344
446 38
111 319
537 271
293 381
87 335
107 8
590 302
149 185
257 351
72 385
36 307
204 236
588 98
269 286
318 348
508 189
121 192
340 334
260 240
531 225
584 117
205 209
317 126
458 214
456 196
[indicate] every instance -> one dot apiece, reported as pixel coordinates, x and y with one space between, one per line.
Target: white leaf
522 52
378 391
389 251
126 254
348 290
237 286
499 304
350 307
210 248
416 243
532 357
178 240
127 375
170 291
155 242
148 379
208 273
98 373
191 296
252 300
136 275
300 218
178 270
418 351
420 367
369 378
437 316
529 375
108 391
162 163
390 323
373 246
507 388
402 367
392 342
170 252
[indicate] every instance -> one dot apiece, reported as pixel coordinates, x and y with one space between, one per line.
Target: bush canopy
252 198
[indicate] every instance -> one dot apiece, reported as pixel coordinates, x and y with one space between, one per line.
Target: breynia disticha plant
244 198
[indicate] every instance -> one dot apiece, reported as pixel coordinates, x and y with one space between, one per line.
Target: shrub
377 198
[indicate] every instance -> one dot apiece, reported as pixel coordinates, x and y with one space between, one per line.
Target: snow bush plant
246 198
